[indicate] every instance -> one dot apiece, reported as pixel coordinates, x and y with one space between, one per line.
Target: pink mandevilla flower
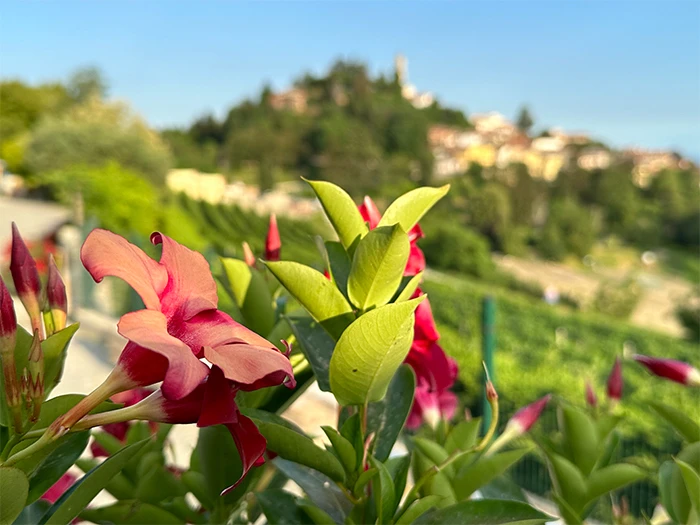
671 369
527 416
180 326
591 398
273 244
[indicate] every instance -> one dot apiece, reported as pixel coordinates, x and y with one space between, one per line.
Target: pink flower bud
8 321
273 242
56 297
248 256
528 415
671 369
591 398
26 278
370 213
491 394
615 381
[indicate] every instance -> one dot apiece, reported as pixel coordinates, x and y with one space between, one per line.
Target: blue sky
625 71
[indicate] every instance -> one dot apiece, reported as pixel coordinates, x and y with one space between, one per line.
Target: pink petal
416 261
250 366
370 213
105 253
250 443
148 329
191 288
448 404
415 233
424 328
215 328
219 406
57 489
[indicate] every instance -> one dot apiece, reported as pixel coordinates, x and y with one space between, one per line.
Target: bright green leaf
581 437
409 285
611 478
363 479
408 209
370 351
341 211
483 471
130 513
14 487
417 509
343 448
609 448
684 425
316 294
463 435
378 266
398 468
251 293
318 516
666 494
384 492
567 480
692 483
434 452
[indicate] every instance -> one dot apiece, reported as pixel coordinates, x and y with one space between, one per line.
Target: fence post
488 345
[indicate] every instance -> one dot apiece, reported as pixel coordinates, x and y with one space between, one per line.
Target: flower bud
671 369
8 321
615 381
528 415
248 256
272 242
56 297
26 278
491 394
591 398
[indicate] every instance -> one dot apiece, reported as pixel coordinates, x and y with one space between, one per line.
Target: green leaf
483 471
316 345
157 484
56 464
219 461
377 267
398 468
408 286
463 435
408 209
666 493
280 507
438 484
370 351
417 509
73 501
196 483
316 294
343 448
609 448
320 489
692 483
567 480
341 211
682 504
353 433
611 478
363 479
31 514
130 513
387 417
318 516
14 487
434 452
384 492
251 293
502 487
298 448
485 512
684 425
339 264
581 436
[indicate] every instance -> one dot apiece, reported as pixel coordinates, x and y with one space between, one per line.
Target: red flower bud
615 381
8 321
26 278
528 415
591 398
491 394
56 296
273 242
671 369
248 256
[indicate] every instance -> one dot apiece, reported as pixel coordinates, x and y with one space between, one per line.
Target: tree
94 132
524 120
570 228
87 83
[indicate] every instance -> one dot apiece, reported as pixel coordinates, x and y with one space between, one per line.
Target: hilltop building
409 91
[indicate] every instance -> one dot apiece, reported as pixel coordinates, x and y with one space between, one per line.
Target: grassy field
544 349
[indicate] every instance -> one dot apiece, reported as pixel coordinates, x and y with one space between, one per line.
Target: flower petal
250 444
215 328
191 288
219 405
105 253
250 366
148 329
370 213
416 261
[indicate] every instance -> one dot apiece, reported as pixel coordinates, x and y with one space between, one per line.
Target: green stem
16 438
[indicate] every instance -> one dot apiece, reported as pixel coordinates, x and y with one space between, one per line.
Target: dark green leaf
281 507
14 488
485 512
684 425
417 509
363 479
339 264
502 487
384 492
666 493
130 513
318 516
251 294
692 483
611 478
316 345
157 484
343 448
320 489
483 471
196 483
581 436
567 480
434 452
398 468
74 500
608 452
463 435
56 464
219 460
387 417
